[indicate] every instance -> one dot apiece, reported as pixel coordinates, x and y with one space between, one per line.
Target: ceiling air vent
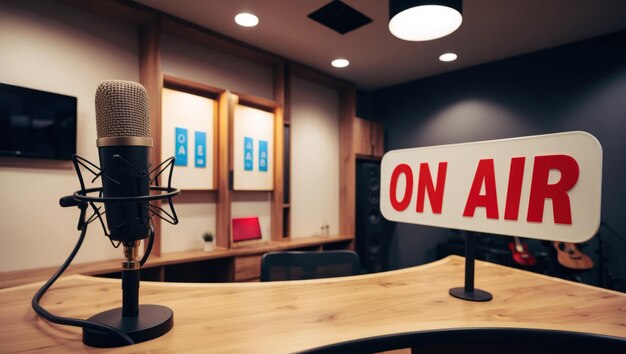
339 17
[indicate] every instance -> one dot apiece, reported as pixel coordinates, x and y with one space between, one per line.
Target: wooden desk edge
443 261
89 277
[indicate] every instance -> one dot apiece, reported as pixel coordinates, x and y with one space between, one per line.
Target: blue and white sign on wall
200 142
248 150
263 155
180 151
253 149
188 134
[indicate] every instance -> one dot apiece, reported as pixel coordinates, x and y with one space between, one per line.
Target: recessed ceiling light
246 19
447 57
340 63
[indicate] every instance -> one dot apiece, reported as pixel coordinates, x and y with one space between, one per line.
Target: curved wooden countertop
293 316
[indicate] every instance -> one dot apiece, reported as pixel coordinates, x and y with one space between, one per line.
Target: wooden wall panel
151 78
277 194
347 168
279 146
222 219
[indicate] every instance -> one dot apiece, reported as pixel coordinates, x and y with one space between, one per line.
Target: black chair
309 265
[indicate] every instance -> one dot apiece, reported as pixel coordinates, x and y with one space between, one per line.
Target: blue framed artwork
180 146
200 143
263 155
248 151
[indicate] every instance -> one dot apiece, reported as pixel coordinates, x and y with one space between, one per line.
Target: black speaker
373 232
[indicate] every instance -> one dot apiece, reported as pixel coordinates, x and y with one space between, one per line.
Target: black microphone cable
73 321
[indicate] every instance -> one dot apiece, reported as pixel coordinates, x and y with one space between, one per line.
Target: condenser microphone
124 142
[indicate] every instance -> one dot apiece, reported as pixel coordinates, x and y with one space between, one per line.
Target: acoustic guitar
569 256
520 253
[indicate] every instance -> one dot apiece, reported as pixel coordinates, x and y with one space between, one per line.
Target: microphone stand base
152 322
472 295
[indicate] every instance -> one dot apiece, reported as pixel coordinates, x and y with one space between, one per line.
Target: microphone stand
139 322
130 281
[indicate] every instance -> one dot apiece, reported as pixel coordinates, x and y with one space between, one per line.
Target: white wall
194 220
52 47
314 159
194 62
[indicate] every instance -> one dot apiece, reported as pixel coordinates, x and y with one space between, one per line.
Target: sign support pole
468 292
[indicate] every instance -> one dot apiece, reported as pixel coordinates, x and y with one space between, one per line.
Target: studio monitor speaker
373 232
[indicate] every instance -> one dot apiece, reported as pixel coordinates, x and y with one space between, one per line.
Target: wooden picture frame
190 110
253 144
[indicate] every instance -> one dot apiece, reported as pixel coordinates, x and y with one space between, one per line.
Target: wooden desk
294 316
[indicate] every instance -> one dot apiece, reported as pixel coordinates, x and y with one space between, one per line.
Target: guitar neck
518 245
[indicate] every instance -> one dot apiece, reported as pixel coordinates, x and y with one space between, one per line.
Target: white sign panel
545 187
187 133
253 149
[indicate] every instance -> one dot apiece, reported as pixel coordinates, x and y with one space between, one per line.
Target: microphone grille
122 109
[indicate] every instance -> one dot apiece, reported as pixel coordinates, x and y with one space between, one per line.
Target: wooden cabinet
362 135
377 139
248 268
368 138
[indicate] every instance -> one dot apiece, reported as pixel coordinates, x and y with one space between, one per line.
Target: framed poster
253 149
187 132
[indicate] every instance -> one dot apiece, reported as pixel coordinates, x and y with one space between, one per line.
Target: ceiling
491 30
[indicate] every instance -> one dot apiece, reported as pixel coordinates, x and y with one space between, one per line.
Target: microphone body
125 174
124 145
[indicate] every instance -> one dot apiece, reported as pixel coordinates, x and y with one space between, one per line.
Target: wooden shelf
10 279
196 196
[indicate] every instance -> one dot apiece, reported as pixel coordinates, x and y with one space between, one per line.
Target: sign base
468 292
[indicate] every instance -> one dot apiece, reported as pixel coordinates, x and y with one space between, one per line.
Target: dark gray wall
581 86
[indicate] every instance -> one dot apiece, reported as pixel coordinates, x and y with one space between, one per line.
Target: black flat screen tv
36 124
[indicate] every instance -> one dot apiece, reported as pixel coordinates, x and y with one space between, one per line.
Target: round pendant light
424 20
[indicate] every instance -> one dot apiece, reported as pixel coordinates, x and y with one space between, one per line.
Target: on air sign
545 187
